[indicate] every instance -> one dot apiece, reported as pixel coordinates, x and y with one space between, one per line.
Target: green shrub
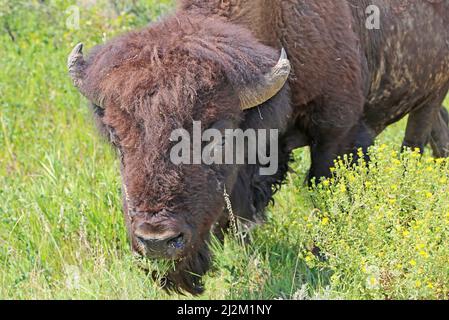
384 227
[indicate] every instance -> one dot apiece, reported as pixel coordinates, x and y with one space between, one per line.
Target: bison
218 62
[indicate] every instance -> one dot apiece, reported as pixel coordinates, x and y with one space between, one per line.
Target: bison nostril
177 242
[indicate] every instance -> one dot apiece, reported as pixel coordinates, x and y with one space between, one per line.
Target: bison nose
164 246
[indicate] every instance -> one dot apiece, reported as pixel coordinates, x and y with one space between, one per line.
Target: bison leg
419 128
440 135
337 142
323 156
364 139
444 114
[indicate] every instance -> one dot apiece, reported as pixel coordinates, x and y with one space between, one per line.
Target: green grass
383 232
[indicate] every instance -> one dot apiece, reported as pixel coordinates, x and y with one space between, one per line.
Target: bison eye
98 111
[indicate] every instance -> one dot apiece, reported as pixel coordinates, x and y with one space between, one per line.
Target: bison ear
271 83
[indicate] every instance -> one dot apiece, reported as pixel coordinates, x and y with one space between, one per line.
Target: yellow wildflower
360 153
424 254
364 270
309 258
420 246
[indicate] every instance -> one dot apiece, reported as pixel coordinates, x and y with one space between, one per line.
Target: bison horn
76 65
271 84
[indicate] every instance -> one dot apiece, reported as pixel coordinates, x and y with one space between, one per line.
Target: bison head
146 84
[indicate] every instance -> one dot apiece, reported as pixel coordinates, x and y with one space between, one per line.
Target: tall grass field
382 228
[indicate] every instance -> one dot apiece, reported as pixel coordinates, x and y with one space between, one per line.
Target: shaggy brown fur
348 84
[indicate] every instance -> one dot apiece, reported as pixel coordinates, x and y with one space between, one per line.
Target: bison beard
188 273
